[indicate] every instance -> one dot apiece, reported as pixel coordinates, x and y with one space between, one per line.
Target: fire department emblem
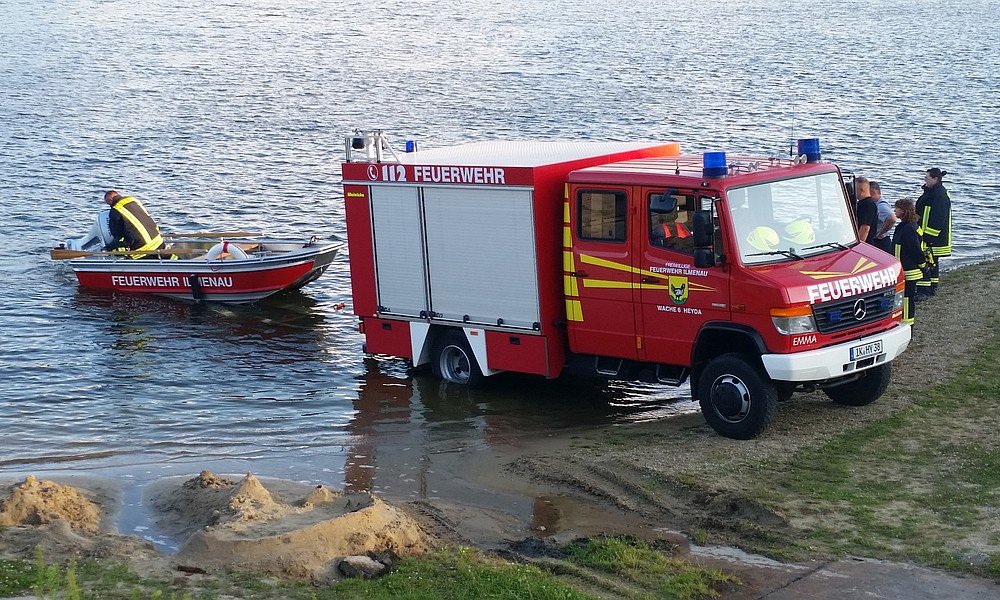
678 287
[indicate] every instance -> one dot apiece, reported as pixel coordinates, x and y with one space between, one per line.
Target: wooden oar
213 234
65 253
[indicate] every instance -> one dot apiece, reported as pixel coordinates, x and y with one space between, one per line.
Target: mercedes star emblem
860 310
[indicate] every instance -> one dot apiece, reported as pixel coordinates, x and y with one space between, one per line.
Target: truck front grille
839 315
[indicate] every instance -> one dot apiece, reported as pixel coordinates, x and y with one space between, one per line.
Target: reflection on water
279 316
202 391
382 400
403 424
152 379
229 116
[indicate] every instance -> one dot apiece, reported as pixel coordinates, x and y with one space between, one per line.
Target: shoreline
676 481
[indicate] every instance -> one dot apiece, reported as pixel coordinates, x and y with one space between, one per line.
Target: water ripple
230 116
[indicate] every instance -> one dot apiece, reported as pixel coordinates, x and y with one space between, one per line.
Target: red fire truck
623 260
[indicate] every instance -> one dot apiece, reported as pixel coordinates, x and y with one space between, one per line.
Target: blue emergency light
714 164
809 147
411 146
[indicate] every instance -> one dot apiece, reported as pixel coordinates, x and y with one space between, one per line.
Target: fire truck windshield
791 218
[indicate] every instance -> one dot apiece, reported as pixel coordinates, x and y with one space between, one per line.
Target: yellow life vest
139 224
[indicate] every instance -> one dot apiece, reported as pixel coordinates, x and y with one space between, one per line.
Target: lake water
232 115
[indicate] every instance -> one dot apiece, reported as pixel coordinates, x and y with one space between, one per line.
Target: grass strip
16 576
922 484
456 573
636 561
449 573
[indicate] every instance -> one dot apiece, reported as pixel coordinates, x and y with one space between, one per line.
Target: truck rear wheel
454 361
736 396
864 390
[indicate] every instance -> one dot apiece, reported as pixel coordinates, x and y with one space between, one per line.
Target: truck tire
864 390
453 360
737 398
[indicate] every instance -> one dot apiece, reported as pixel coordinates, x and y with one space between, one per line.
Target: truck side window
602 215
672 230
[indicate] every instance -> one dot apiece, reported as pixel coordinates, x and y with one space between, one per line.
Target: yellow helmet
763 238
800 232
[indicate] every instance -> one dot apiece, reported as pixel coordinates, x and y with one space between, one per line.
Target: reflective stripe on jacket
934 212
908 248
141 232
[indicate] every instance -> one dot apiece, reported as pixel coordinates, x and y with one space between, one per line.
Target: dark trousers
929 284
909 301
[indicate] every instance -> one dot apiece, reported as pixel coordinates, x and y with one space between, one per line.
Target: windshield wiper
827 245
789 253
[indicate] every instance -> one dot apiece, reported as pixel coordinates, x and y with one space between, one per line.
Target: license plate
866 350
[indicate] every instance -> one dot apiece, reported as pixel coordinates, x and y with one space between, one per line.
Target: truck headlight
792 321
897 301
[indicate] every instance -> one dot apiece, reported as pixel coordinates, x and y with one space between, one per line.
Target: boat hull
236 281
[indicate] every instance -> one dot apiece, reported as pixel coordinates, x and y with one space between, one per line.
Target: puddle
567 517
737 555
135 518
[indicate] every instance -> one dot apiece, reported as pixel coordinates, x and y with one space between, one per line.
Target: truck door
676 298
598 272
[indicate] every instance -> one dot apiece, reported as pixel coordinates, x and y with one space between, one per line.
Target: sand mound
34 502
298 532
209 500
59 542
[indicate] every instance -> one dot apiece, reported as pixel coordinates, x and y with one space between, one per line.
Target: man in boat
131 226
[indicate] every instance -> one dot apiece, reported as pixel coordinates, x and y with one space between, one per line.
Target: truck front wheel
867 388
454 361
736 396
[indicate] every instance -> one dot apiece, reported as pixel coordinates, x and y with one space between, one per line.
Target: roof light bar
810 148
714 164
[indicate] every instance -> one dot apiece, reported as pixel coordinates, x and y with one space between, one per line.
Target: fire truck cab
623 260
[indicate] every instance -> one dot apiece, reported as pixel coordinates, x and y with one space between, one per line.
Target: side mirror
704 258
663 204
703 230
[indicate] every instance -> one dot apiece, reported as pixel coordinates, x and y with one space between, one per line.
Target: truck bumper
835 361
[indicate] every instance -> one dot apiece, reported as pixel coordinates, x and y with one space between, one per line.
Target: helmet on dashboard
763 238
800 232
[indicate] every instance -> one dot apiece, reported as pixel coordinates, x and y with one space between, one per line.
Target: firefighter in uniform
911 252
934 214
131 226
669 232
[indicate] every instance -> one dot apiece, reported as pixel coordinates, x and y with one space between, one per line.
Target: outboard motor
99 235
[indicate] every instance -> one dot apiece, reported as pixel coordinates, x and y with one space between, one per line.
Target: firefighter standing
131 226
909 249
934 213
